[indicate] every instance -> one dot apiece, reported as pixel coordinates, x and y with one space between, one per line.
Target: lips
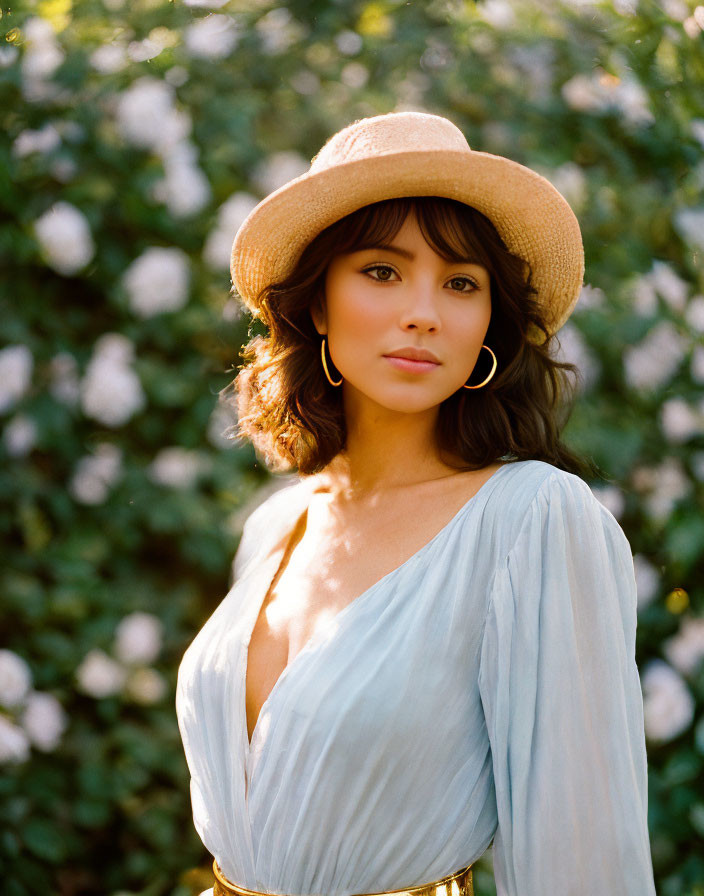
414 354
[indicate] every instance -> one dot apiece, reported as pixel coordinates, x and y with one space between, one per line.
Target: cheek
468 331
354 313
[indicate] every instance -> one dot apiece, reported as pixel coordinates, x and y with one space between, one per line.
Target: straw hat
413 154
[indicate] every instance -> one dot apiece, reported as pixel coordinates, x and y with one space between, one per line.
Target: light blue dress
484 690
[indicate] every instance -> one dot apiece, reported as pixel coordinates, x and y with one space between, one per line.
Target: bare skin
390 492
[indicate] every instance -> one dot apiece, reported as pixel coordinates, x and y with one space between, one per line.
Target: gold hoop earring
325 365
493 371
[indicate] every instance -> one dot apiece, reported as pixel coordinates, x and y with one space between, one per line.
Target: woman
429 642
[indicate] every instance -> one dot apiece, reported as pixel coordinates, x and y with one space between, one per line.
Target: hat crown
391 133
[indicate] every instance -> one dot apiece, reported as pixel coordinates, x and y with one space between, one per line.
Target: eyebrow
406 253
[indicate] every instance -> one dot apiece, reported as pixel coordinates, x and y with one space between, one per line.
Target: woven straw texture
414 154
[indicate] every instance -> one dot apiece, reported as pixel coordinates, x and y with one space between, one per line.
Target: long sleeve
563 704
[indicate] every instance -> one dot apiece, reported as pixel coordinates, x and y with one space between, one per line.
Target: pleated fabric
483 691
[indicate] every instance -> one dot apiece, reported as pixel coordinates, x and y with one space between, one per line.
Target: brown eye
382 268
464 281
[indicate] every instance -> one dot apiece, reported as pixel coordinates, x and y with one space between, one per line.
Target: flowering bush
136 137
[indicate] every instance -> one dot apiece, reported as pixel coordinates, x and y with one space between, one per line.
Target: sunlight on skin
379 300
298 603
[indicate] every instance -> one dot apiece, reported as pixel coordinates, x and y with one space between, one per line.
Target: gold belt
457 884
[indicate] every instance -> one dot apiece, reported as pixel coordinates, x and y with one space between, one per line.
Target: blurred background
136 136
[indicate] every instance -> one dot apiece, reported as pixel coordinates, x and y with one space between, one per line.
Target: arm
563 704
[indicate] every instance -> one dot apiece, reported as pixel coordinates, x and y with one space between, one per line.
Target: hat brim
529 213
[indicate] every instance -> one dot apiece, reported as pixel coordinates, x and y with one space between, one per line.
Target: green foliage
606 99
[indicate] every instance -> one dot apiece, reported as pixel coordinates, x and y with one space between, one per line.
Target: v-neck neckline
271 567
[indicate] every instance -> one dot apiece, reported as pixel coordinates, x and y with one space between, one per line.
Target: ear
319 316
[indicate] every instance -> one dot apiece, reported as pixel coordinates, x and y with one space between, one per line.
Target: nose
419 306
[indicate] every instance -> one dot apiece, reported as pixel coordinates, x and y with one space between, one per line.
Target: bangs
457 232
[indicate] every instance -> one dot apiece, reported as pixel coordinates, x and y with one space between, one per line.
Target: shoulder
538 482
538 494
268 517
566 516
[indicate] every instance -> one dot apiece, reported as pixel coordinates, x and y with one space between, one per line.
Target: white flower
626 7
697 127
111 392
651 363
213 37
697 365
95 474
278 30
138 638
64 384
582 93
689 223
354 75
600 92
231 214
145 686
14 744
42 54
16 363
574 349
611 497
307 83
147 117
647 580
668 706
676 9
349 42
685 650
632 100
278 169
157 281
208 4
44 141
143 50
223 416
44 720
15 678
679 421
645 301
232 310
498 13
8 55
65 238
664 485
177 75
570 180
669 285
694 315
99 675
591 297
184 188
109 58
20 435
177 467
691 27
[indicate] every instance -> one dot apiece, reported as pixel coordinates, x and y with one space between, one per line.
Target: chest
322 570
328 562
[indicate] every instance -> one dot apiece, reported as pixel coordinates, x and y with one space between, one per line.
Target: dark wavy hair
294 418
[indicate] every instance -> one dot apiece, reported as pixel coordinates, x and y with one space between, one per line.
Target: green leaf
43 839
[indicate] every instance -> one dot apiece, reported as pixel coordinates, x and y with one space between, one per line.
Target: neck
385 451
